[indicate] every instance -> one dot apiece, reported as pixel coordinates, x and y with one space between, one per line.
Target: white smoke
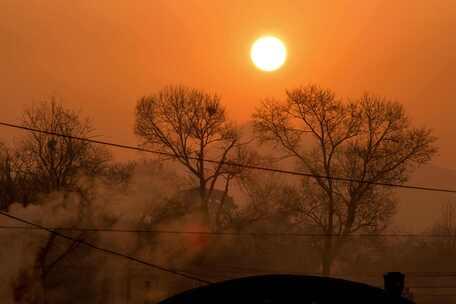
110 206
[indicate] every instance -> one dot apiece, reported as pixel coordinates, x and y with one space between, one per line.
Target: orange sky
100 56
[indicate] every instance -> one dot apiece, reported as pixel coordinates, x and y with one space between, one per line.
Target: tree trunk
327 256
204 202
326 264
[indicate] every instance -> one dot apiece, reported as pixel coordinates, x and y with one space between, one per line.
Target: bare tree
15 185
445 227
191 125
56 162
7 178
45 163
370 140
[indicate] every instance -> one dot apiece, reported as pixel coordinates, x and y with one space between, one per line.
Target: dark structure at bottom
289 289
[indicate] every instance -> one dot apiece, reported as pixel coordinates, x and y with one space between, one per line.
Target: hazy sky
101 56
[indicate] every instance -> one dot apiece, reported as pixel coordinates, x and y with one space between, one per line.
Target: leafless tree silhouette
7 178
192 125
445 226
370 140
56 162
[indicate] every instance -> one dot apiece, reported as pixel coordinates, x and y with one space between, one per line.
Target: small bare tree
7 178
445 227
46 163
56 162
370 140
191 125
15 184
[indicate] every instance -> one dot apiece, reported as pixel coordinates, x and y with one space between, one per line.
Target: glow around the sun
268 53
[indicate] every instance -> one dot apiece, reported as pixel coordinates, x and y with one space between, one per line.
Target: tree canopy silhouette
192 125
370 139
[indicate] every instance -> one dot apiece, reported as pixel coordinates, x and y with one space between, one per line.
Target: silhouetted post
394 283
147 292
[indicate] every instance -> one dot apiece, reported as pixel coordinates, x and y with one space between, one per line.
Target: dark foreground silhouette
285 289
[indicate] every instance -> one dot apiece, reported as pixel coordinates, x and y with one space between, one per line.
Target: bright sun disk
268 53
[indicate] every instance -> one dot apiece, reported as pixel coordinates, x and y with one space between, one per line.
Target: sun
268 53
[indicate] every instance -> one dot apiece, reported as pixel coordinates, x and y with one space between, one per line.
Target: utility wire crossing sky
237 234
105 250
316 176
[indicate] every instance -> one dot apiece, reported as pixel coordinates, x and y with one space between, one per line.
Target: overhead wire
108 251
434 295
242 270
237 234
222 274
229 163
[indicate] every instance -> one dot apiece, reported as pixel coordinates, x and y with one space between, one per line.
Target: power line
241 270
240 234
433 287
191 276
434 295
196 278
108 251
234 164
237 234
433 275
